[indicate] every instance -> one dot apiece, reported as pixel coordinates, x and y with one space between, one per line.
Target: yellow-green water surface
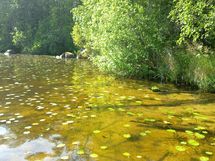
66 110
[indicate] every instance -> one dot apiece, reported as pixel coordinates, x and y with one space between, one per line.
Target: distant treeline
36 26
165 40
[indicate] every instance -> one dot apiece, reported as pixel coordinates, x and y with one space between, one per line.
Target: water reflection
3 131
25 150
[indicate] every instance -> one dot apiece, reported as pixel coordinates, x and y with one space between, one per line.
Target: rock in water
9 52
67 55
58 57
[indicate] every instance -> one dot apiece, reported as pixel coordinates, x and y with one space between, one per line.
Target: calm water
66 110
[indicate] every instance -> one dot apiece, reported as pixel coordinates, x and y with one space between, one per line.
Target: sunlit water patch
67 110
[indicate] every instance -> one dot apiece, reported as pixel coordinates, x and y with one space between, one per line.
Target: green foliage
18 38
196 19
122 33
192 68
137 38
77 36
202 72
38 27
6 9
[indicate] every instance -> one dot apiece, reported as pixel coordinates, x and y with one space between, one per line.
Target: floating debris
70 122
53 104
121 109
40 107
126 154
96 131
189 132
76 143
126 136
143 134
80 152
126 125
64 157
60 145
180 148
49 113
203 158
103 147
155 89
93 155
209 153
3 121
171 130
28 127
183 143
93 116
35 124
167 122
193 142
139 157
20 116
199 128
131 113
42 120
199 136
26 132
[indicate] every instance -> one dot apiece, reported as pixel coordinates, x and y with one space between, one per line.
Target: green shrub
196 20
137 39
125 36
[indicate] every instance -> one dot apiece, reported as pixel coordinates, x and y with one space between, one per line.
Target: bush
196 20
125 36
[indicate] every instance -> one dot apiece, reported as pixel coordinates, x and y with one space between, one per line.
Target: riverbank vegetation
165 40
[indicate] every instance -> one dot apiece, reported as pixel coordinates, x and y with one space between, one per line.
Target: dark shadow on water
162 126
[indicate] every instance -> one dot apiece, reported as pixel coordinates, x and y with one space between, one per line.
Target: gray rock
9 52
58 57
67 55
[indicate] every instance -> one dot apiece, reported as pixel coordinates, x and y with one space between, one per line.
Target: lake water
54 110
